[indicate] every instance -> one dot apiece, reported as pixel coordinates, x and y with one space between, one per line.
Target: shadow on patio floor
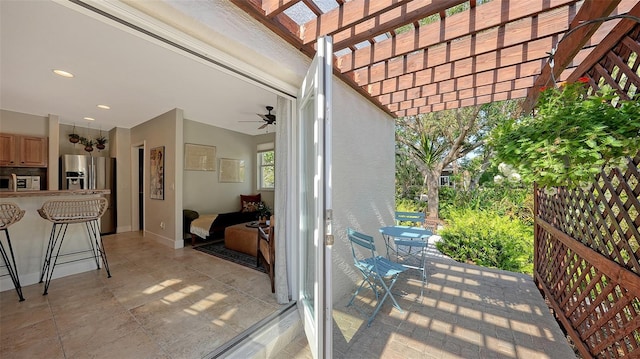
466 311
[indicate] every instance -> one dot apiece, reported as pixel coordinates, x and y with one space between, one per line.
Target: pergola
412 57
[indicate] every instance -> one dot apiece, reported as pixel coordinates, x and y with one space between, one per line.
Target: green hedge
488 239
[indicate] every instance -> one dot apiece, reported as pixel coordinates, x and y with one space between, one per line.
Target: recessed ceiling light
104 107
89 118
63 73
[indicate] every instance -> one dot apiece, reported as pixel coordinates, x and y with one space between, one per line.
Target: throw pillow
255 198
249 206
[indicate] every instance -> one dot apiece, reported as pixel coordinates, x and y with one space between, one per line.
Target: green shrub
409 205
506 200
488 239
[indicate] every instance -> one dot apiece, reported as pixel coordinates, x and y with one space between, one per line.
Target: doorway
141 188
137 186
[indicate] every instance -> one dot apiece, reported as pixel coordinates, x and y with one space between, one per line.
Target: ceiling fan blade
263 126
264 117
250 121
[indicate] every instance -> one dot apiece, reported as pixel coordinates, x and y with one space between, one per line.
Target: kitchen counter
30 236
78 192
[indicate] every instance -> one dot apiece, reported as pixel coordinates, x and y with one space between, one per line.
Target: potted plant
87 143
73 136
264 212
100 142
571 135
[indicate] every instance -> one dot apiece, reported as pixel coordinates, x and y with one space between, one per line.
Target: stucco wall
363 178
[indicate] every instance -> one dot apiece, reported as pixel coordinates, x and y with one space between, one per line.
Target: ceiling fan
269 119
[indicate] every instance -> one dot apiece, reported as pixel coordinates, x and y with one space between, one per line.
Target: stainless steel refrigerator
88 172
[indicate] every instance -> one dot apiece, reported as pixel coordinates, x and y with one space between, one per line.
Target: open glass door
314 134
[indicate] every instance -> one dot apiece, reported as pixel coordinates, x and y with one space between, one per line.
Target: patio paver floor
466 312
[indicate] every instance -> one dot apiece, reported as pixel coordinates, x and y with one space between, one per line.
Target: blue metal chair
375 269
417 218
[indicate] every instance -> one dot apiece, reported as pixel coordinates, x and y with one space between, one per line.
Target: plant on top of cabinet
101 141
73 136
87 143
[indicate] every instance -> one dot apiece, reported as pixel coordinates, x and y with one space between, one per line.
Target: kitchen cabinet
23 151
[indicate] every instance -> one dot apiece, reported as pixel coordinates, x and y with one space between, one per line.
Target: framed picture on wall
157 173
231 170
199 157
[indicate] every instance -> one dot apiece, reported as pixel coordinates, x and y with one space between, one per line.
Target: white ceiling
138 78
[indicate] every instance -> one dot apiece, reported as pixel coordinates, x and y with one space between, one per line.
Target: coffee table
242 238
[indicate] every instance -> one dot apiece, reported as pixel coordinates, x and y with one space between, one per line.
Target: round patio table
407 245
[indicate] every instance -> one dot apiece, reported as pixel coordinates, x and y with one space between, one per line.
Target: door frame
316 312
135 203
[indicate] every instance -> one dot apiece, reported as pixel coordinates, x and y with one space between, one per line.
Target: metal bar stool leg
50 267
54 237
63 213
94 233
103 254
10 214
95 249
12 268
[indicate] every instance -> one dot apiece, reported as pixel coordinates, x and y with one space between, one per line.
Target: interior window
266 170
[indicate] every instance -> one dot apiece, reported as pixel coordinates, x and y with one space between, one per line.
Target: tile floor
159 303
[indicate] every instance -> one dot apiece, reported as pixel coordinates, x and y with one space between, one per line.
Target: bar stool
10 213
62 213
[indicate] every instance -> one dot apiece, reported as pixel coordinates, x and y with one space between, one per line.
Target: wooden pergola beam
313 7
456 26
513 72
442 69
281 24
274 7
480 100
436 93
348 15
569 46
390 20
606 44
414 98
537 49
411 101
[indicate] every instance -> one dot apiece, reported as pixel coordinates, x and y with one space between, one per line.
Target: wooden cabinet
7 149
23 151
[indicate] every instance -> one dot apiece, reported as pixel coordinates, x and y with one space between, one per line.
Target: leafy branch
571 137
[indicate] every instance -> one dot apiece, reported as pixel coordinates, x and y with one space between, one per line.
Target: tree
408 179
437 139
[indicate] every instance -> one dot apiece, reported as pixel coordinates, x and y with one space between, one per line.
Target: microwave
28 183
22 183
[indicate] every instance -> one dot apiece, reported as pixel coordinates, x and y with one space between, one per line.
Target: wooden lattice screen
620 67
587 249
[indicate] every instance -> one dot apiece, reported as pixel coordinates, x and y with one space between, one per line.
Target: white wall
23 124
363 178
119 146
162 131
202 191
